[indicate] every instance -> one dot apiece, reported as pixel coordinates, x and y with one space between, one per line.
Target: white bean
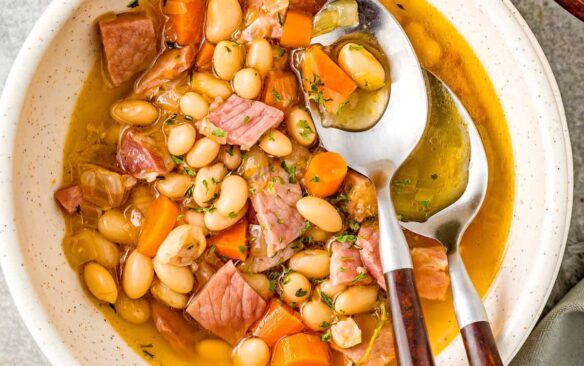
321 213
214 221
317 315
276 143
227 59
138 275
259 56
178 279
252 352
207 84
134 112
196 219
100 282
247 83
114 226
362 66
171 298
135 311
259 282
301 127
89 245
313 263
203 153
182 246
230 156
295 287
329 289
194 105
207 184
223 19
233 195
174 185
181 139
356 299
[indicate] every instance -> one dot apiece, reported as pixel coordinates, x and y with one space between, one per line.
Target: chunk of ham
382 351
171 65
346 267
129 44
259 261
227 305
70 198
173 327
264 19
244 121
431 272
368 241
139 156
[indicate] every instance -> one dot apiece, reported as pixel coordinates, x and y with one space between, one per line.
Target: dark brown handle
576 7
411 338
480 345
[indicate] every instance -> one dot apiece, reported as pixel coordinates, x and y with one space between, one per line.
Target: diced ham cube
244 121
139 156
70 198
346 267
169 66
431 272
368 241
227 305
129 44
259 261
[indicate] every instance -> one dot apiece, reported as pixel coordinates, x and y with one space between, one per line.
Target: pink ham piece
431 272
169 66
227 305
368 241
70 198
346 267
382 350
244 121
138 155
129 44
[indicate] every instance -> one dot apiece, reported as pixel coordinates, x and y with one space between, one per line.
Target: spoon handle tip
480 345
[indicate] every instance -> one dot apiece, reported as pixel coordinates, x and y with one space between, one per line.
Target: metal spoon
448 227
377 153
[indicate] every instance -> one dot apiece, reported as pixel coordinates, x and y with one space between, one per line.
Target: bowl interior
54 63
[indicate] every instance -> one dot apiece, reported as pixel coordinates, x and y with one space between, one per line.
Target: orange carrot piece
279 321
325 174
231 242
325 82
186 20
159 222
281 90
297 30
301 349
204 59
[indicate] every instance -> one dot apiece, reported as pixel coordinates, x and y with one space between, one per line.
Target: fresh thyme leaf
212 249
280 51
189 191
305 129
346 238
245 120
228 49
180 217
206 184
230 150
280 20
326 337
290 170
354 225
301 292
177 159
326 299
270 136
232 215
188 171
242 249
325 325
315 179
424 204
276 95
355 48
359 277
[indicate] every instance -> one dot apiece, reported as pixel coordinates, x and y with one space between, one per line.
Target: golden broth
443 51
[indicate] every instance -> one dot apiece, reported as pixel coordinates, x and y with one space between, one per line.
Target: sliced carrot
186 20
297 30
204 59
325 174
325 82
160 221
281 90
279 321
301 350
231 242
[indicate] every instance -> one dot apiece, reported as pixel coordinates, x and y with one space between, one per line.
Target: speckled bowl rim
13 98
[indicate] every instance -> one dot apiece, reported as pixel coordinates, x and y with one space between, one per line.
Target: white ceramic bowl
41 92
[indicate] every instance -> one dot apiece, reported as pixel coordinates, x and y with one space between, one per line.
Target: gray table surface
562 39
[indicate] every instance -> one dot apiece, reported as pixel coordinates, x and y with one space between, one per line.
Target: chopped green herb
270 137
245 120
180 217
212 249
402 182
326 337
218 132
230 150
188 171
290 170
346 238
354 225
343 269
359 277
177 159
242 249
280 51
301 292
228 49
355 48
280 20
206 185
272 285
341 107
189 191
232 215
316 92
276 95
305 129
315 179
325 325
424 204
326 299
134 4
171 119
339 199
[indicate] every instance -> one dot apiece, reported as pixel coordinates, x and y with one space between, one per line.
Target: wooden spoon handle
411 337
576 7
480 345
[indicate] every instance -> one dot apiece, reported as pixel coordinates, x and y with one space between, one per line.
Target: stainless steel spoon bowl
448 227
377 153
